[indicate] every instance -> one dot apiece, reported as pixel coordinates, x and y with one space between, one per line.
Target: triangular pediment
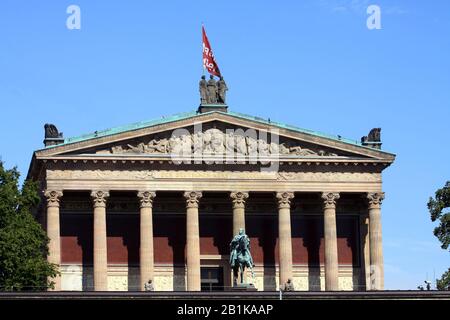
213 133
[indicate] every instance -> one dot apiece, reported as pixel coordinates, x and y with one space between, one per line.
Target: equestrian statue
240 256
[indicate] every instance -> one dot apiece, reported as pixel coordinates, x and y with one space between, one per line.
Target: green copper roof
193 114
130 127
293 128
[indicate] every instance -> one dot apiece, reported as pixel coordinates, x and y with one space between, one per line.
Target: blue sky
313 64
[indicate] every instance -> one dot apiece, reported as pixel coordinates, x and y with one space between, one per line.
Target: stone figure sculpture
215 142
373 139
373 136
157 145
289 285
203 86
252 145
212 90
222 90
230 142
240 256
51 131
241 145
148 286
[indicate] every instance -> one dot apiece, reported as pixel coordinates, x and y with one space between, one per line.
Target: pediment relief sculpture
216 142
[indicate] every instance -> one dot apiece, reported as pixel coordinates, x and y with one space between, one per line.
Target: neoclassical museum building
161 201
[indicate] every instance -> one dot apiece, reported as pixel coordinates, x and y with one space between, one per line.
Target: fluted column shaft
331 254
238 199
146 250
53 232
100 245
285 236
375 240
192 241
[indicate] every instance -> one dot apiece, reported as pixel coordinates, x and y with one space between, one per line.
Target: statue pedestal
212 107
244 287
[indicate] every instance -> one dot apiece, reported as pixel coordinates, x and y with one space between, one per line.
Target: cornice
151 159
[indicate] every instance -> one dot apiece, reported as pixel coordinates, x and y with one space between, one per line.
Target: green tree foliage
444 282
23 242
436 207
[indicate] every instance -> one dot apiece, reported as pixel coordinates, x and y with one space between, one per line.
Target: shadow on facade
179 269
269 243
313 244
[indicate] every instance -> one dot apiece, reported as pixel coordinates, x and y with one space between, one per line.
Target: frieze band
200 174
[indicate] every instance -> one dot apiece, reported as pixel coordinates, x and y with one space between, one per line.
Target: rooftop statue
240 256
373 136
212 91
52 135
203 86
51 131
373 139
222 90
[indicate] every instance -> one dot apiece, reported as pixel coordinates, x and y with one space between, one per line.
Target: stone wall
167 278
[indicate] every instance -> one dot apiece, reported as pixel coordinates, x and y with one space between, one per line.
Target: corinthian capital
329 199
284 199
99 198
53 197
375 199
146 198
192 198
238 199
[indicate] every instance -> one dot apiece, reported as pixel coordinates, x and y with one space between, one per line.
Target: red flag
209 63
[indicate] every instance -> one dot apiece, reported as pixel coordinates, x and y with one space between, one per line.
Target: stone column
53 227
375 241
331 254
146 236
192 241
285 236
100 248
238 199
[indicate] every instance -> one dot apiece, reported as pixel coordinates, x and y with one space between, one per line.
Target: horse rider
234 246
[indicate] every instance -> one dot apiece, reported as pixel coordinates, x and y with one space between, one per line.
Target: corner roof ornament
52 135
373 139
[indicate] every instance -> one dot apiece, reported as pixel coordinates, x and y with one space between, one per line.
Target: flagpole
203 66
